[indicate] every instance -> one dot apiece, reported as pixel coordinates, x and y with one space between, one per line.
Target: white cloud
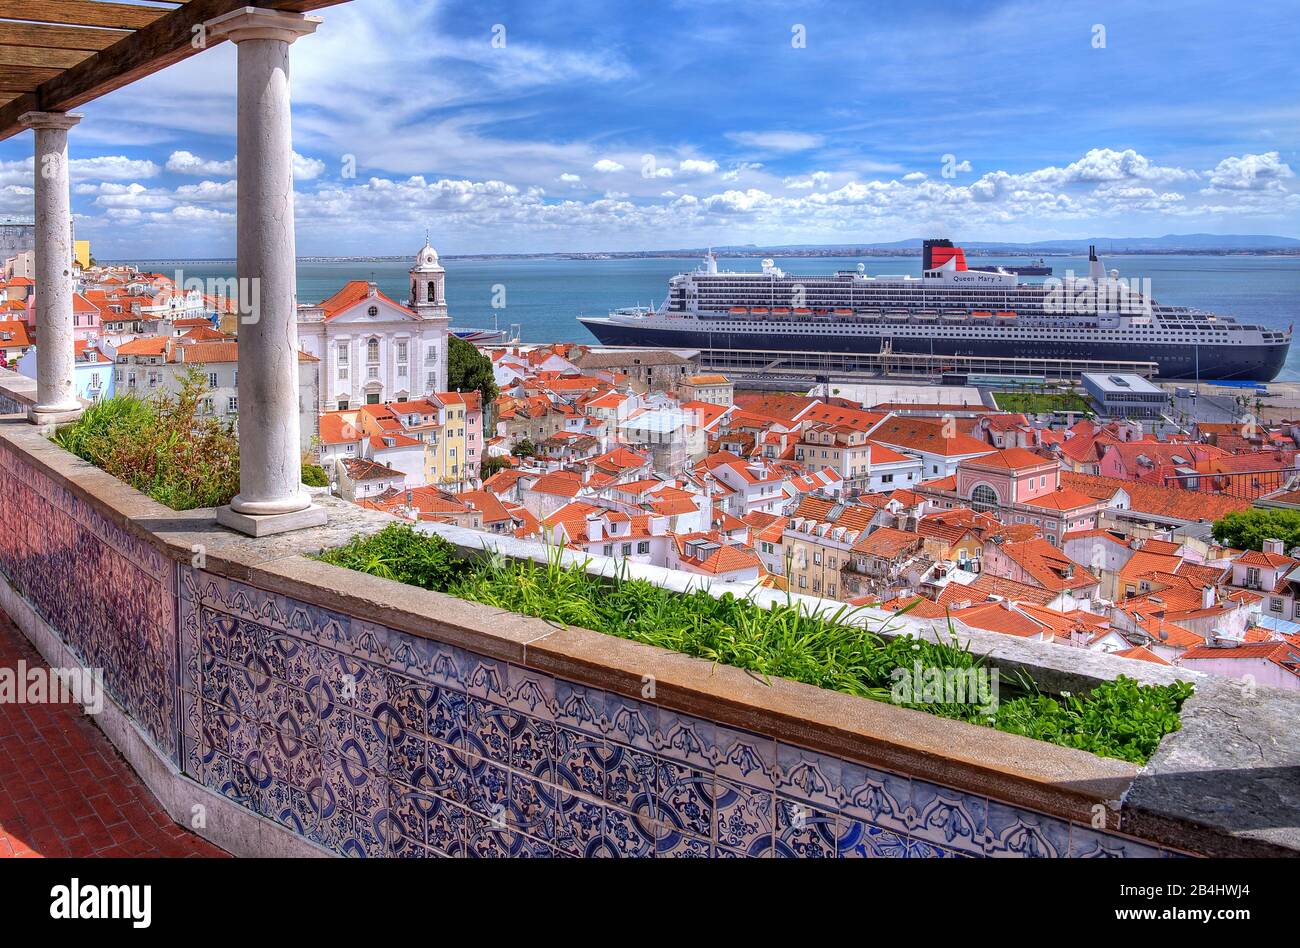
607 166
733 173
693 166
1250 173
307 169
185 162
777 141
570 178
818 179
915 176
112 168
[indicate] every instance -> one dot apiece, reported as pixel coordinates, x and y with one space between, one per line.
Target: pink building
1020 487
85 319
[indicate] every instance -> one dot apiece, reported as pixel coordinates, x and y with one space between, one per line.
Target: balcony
247 608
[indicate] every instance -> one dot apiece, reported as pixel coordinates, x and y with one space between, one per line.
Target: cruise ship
949 310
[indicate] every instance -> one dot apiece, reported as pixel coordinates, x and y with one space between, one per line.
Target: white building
373 350
156 363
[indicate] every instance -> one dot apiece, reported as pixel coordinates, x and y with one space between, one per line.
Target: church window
433 292
431 356
343 353
373 311
372 351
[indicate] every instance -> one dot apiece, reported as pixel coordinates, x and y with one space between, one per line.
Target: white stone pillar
271 498
56 392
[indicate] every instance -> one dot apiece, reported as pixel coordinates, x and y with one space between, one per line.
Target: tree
469 370
491 464
1248 529
524 449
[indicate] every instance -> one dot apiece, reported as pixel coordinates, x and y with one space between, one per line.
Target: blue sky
607 125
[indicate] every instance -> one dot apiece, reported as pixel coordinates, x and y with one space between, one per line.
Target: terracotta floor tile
64 789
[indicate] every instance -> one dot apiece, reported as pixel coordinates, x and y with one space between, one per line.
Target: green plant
313 475
1118 719
491 464
1248 529
402 553
524 448
161 445
469 370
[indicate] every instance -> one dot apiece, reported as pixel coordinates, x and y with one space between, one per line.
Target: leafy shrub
1248 529
402 553
160 445
1120 719
313 475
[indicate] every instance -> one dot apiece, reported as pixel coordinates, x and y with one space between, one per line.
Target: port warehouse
766 365
1124 395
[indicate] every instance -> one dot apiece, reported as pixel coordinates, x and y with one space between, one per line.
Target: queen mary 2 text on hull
949 310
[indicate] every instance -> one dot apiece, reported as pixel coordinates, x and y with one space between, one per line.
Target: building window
343 404
343 353
372 351
373 311
401 350
431 355
627 549
643 547
984 498
212 380
233 404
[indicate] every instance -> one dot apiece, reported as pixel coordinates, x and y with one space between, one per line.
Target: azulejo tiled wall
376 742
111 595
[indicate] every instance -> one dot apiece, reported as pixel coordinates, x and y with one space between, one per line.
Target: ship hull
1259 363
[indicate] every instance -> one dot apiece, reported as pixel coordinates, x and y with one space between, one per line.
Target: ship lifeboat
802 311
1006 314
954 314
982 314
781 311
758 311
898 315
870 314
843 312
739 311
927 315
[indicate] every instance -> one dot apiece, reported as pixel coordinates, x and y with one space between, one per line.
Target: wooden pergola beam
45 36
165 37
116 16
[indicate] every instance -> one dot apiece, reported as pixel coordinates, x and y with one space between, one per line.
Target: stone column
271 498
56 392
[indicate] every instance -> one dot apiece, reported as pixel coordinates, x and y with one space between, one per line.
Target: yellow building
81 253
449 425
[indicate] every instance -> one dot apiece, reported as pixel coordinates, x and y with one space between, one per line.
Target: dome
427 257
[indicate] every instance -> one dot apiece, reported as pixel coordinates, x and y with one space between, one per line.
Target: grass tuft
1121 718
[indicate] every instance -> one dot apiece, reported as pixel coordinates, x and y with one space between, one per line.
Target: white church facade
373 350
